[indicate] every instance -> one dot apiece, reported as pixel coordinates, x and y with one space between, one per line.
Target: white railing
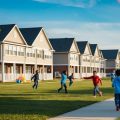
28 76
76 75
40 76
49 76
9 77
0 77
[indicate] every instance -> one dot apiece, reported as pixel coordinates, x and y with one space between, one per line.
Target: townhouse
39 52
112 60
12 53
23 53
102 65
66 56
97 60
85 58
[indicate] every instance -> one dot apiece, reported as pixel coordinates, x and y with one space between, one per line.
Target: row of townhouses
24 50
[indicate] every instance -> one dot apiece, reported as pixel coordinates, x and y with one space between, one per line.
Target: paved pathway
99 111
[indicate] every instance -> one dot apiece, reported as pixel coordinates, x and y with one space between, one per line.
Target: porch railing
76 75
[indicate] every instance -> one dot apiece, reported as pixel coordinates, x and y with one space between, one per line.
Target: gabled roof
93 48
30 34
101 54
61 44
110 54
82 46
4 30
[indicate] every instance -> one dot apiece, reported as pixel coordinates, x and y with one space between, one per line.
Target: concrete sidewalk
99 111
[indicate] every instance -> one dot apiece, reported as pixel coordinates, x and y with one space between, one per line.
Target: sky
96 21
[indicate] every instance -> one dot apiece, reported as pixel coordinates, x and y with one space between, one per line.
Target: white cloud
73 3
118 1
106 35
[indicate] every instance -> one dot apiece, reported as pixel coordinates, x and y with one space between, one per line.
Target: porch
9 72
75 71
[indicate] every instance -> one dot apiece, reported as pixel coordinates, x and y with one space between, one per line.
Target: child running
96 80
36 78
116 85
63 82
112 75
71 79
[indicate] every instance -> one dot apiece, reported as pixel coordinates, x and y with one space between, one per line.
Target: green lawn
21 102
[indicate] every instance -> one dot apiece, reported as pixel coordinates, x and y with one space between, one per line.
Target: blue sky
97 21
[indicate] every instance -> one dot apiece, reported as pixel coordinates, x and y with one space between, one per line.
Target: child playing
63 82
112 75
36 78
96 80
116 85
71 79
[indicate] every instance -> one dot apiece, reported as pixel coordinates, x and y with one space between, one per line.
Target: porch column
86 70
43 74
78 72
14 71
52 71
3 71
24 69
74 69
81 71
35 66
68 72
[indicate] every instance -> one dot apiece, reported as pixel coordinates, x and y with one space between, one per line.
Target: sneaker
117 108
100 93
94 96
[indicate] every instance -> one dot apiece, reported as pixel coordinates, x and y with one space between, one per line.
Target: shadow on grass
51 92
86 91
48 108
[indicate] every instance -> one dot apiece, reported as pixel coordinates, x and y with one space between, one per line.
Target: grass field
21 102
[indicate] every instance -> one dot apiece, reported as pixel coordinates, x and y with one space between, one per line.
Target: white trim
45 37
15 26
14 62
8 34
17 44
64 64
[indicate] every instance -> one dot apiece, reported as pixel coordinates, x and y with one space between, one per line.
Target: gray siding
110 63
60 58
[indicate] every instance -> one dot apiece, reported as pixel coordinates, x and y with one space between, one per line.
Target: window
22 51
14 50
10 49
18 50
76 69
43 54
7 49
33 52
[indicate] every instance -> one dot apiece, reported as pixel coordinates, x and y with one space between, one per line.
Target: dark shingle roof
4 30
61 44
30 34
93 48
82 46
110 54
